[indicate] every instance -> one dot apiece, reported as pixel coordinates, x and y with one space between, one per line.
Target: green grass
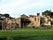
27 34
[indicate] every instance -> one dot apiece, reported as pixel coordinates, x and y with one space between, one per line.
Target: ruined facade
27 21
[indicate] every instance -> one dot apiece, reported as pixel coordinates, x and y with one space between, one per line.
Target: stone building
47 20
35 20
11 23
27 21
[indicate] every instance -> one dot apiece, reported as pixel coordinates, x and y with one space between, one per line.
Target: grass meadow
27 34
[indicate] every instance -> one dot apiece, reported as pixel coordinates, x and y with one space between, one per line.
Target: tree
0 14
46 13
6 15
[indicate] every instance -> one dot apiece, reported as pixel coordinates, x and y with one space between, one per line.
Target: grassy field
27 34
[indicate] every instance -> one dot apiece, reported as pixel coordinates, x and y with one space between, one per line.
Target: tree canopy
6 15
3 16
48 13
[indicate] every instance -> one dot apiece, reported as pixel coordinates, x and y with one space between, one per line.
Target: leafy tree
0 14
6 15
48 13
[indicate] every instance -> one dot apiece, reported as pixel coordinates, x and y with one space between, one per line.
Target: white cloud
13 6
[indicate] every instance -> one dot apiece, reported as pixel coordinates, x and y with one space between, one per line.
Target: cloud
14 6
11 6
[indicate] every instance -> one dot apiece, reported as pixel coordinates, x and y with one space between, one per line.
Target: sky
18 7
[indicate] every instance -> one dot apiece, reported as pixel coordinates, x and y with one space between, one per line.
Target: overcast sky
17 7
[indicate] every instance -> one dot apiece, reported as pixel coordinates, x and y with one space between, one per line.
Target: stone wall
35 21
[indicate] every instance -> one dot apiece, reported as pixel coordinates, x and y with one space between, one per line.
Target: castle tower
37 20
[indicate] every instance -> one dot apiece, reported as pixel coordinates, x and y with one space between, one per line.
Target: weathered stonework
35 21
